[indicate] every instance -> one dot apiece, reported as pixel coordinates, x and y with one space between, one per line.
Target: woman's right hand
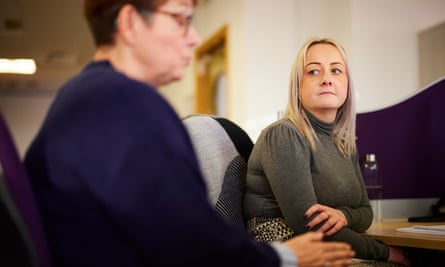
333 219
311 251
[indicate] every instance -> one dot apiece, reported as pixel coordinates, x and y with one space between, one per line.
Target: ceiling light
18 66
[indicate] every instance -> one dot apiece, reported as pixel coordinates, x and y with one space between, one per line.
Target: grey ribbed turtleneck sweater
285 177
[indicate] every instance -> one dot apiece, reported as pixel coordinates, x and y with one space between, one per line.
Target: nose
326 79
326 82
193 36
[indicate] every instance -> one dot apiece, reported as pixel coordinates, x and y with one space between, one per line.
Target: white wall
209 17
264 36
24 114
271 40
380 38
384 51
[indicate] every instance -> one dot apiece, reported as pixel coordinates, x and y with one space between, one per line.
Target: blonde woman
303 173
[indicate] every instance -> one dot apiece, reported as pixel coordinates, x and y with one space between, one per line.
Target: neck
325 116
103 53
122 62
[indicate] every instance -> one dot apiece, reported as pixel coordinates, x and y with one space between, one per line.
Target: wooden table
386 232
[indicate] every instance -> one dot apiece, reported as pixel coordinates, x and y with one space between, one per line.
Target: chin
178 75
167 79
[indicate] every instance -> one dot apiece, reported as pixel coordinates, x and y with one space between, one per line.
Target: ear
128 22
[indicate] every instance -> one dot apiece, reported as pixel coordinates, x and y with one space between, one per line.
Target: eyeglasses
183 20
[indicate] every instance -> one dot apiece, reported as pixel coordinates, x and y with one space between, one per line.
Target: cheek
342 85
177 47
306 94
307 86
169 46
343 92
175 54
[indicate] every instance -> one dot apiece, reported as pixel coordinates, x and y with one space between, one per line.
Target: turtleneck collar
319 126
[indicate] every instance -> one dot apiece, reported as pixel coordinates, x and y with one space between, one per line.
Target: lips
327 93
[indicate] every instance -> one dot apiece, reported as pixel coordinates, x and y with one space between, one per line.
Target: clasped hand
331 220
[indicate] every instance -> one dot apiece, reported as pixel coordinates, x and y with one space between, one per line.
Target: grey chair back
222 148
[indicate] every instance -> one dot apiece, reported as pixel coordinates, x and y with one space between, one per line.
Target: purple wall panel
409 142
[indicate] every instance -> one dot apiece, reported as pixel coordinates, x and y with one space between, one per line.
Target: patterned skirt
267 229
275 229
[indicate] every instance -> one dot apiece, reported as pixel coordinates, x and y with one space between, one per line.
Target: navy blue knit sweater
118 183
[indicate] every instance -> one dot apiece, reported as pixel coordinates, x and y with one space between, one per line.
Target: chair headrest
239 137
214 149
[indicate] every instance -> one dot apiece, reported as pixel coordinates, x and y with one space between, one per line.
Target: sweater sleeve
359 218
285 161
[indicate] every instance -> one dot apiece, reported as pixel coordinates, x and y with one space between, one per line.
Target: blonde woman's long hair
344 130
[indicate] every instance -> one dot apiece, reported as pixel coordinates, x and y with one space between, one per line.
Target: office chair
222 148
19 205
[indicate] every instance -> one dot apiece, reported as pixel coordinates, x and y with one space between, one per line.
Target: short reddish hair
101 15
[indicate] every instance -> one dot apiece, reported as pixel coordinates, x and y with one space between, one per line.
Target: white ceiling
53 32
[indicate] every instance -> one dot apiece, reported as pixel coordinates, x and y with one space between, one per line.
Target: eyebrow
318 63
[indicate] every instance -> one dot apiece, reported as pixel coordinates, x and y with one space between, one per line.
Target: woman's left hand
333 219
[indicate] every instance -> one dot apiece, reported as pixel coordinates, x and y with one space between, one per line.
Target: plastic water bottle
373 183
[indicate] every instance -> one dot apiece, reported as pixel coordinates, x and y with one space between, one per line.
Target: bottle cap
370 157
